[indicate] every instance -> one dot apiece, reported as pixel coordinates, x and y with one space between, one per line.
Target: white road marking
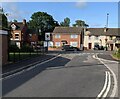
108 87
115 87
104 87
30 68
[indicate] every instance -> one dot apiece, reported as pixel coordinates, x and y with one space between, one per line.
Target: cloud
81 4
13 12
96 25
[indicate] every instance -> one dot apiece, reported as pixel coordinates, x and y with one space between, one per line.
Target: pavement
107 57
26 63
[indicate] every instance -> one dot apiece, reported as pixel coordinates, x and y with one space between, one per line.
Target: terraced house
68 35
108 37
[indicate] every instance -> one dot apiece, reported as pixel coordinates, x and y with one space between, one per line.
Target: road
67 75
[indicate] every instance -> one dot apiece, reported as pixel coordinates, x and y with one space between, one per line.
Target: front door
89 45
111 46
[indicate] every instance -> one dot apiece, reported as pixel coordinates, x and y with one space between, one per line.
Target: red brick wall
34 38
16 31
68 38
4 48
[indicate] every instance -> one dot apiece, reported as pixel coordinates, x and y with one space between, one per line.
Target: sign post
47 39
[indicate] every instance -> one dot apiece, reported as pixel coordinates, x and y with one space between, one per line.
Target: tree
3 19
42 22
15 20
80 23
66 22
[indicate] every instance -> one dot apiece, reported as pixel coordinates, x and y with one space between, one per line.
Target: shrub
118 51
26 48
13 48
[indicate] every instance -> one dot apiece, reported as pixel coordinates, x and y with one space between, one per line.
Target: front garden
25 52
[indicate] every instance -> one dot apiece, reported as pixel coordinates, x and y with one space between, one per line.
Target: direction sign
47 36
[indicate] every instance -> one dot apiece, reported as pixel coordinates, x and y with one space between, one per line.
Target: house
106 37
21 34
67 35
32 37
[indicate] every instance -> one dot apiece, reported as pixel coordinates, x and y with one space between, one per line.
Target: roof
100 31
76 30
18 24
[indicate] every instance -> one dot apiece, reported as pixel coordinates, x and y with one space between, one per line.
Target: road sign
47 36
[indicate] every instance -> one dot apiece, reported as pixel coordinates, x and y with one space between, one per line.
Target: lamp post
107 20
106 30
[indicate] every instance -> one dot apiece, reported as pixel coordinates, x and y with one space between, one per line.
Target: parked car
69 48
101 48
97 47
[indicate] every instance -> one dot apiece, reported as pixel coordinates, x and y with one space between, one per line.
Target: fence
15 55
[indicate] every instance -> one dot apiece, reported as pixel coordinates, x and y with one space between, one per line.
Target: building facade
106 37
67 35
20 34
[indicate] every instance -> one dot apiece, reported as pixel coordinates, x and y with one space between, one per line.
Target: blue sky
93 13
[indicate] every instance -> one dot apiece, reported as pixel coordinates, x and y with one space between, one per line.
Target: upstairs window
57 35
90 37
96 37
74 36
16 36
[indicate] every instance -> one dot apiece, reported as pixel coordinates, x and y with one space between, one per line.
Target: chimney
105 29
24 21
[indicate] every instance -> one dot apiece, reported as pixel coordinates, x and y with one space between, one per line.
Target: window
89 37
30 36
16 36
110 38
57 44
13 26
74 36
74 44
96 37
57 35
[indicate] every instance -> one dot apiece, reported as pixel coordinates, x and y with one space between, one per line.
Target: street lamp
107 20
106 30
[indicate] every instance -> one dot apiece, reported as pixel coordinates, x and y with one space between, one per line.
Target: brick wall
68 38
3 47
16 31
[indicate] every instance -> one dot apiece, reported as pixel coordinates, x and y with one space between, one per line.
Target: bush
26 49
13 48
118 51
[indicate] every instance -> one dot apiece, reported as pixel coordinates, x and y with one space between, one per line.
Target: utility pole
106 30
107 20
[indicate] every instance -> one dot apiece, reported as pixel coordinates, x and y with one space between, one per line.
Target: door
89 45
111 46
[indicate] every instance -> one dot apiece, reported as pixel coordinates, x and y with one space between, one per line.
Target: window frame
73 36
57 36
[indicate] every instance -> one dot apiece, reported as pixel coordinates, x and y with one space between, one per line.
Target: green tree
66 22
43 22
3 19
15 20
80 23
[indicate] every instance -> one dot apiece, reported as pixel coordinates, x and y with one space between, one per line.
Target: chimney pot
24 21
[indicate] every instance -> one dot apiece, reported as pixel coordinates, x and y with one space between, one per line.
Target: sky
93 13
